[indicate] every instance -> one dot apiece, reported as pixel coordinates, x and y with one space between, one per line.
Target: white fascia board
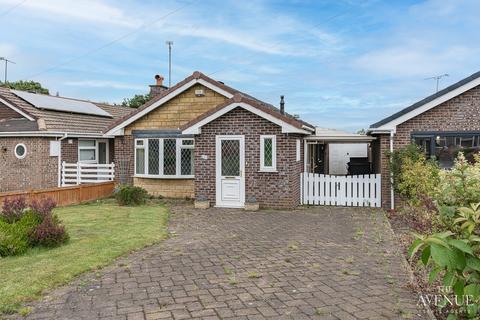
340 138
381 131
53 134
168 97
427 106
215 88
9 105
286 127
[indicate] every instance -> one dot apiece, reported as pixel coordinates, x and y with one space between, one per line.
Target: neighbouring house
441 124
38 132
202 139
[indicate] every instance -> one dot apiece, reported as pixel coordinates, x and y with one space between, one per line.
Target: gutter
58 134
392 193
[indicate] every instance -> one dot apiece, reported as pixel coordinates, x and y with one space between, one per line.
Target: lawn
99 233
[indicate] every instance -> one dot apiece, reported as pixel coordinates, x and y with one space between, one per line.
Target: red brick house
206 140
442 124
38 132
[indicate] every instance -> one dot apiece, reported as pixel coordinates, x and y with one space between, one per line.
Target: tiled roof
16 125
198 75
64 121
237 98
426 100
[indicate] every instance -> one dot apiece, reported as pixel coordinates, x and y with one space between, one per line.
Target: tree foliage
137 101
26 86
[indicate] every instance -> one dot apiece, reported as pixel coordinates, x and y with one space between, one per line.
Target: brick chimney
158 87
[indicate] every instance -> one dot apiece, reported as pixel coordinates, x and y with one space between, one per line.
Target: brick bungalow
203 139
442 124
38 132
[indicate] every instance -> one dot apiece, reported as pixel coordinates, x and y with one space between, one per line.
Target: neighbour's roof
229 90
427 100
15 125
61 121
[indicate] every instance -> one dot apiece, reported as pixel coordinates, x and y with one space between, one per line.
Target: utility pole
437 78
6 67
169 44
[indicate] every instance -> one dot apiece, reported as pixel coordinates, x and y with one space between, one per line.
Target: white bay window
164 158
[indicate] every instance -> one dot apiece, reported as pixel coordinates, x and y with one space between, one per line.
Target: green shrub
131 196
461 185
415 178
14 237
454 257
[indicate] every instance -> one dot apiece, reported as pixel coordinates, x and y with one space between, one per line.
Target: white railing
330 190
79 173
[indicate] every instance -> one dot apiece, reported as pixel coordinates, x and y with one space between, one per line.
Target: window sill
268 170
150 176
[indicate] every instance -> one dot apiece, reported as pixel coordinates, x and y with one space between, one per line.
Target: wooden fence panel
357 190
64 196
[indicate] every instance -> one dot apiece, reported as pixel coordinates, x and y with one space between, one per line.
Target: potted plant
251 204
201 202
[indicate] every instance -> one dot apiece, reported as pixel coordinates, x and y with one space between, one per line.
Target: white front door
230 168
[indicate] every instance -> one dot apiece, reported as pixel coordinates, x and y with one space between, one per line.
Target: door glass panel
102 153
230 157
169 156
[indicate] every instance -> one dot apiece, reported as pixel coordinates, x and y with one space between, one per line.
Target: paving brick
222 245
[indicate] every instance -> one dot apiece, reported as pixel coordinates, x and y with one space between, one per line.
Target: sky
341 64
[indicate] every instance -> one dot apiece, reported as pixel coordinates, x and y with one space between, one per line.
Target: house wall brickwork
171 115
461 113
70 150
279 189
36 171
124 159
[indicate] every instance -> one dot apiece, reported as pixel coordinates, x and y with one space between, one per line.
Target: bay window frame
161 158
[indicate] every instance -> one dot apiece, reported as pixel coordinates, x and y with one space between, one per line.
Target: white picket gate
330 190
79 173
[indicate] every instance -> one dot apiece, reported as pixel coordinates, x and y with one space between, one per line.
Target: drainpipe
60 159
392 193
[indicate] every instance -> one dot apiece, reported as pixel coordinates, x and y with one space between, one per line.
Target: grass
99 233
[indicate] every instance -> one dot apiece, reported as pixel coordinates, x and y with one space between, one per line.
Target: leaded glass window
231 158
268 154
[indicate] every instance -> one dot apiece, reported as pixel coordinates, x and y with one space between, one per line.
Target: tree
137 101
26 86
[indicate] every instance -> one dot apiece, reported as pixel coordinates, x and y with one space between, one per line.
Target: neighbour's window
87 150
20 151
169 157
445 146
297 156
268 153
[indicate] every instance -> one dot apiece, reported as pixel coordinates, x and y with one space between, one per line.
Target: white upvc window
164 158
297 155
87 151
268 153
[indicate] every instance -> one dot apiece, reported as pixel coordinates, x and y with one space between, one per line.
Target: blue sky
342 64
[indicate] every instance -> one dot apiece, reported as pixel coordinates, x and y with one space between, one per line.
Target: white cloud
86 10
7 50
105 84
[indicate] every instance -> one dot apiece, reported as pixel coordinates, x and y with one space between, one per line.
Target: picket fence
81 173
331 190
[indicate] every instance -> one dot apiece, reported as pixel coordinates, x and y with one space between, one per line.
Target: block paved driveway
315 263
